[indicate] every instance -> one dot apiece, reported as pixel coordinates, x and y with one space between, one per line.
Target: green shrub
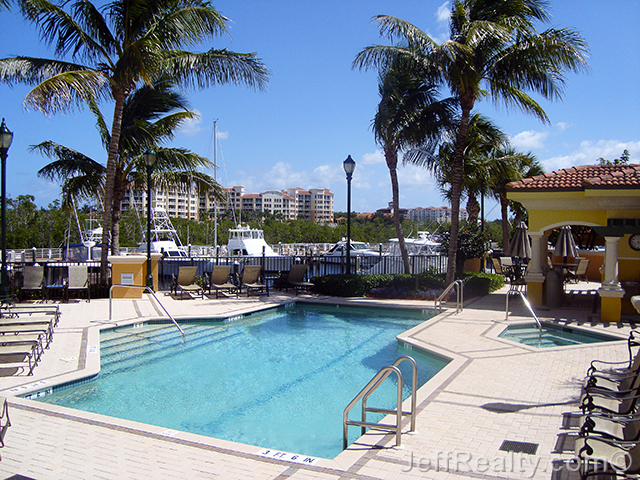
430 279
427 285
480 284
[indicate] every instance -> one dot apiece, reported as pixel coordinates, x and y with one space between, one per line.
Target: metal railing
272 267
459 286
527 304
366 392
148 290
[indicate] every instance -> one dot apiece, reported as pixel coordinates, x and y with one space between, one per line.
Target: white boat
358 249
248 242
423 244
164 238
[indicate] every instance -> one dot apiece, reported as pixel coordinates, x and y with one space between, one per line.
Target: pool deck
493 390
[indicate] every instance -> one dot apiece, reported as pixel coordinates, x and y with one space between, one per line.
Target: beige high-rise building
315 205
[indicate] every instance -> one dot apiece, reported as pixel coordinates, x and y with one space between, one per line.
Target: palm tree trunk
504 205
116 216
119 96
456 188
391 156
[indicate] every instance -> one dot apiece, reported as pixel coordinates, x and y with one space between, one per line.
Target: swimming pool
278 379
552 335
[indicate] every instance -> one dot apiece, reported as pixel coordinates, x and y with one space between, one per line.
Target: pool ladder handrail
529 307
371 387
153 294
459 286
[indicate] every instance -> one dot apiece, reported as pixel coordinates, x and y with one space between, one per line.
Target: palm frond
65 91
60 28
68 162
216 67
189 24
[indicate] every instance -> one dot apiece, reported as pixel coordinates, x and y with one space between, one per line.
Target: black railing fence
273 268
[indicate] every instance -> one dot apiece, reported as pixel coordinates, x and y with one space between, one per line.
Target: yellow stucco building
603 197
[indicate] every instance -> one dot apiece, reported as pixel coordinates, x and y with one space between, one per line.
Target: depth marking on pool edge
287 457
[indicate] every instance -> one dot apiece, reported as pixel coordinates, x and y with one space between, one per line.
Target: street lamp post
6 137
149 160
349 167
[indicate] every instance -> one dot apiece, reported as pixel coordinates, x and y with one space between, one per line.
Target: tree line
54 226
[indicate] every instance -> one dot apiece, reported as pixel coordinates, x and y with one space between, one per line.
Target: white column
535 272
611 263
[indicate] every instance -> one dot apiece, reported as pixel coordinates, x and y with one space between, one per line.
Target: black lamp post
349 167
150 160
6 137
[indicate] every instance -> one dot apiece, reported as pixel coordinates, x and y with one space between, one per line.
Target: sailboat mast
215 177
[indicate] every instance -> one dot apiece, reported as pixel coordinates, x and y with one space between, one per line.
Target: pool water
279 379
552 335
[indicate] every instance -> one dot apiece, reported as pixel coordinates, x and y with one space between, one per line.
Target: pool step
161 343
531 337
135 337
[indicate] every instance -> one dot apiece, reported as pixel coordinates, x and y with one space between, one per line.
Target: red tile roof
582 177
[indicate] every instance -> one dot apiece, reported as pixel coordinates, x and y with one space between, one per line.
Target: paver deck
493 390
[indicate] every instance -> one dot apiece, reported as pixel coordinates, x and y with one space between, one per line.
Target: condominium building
178 203
315 204
434 214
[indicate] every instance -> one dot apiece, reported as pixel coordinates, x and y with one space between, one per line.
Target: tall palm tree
509 165
409 116
483 138
116 48
150 117
494 50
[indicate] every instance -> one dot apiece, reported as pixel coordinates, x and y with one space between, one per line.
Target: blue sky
317 109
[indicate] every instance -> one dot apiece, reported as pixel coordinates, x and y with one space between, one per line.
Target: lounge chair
618 368
5 423
32 281
580 272
186 282
56 284
622 402
497 266
219 280
249 280
603 456
295 279
79 280
624 428
23 353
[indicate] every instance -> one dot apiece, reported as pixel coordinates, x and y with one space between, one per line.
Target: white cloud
562 126
373 158
589 152
191 127
222 135
443 13
529 139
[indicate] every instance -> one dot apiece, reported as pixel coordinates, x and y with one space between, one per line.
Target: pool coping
90 356
494 334
347 460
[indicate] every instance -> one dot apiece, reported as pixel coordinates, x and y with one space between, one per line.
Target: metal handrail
529 307
459 286
149 290
366 392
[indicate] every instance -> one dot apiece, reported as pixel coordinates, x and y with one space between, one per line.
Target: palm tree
483 138
509 165
116 48
149 119
494 50
409 116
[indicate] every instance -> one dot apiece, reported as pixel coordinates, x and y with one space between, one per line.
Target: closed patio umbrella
520 246
566 245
